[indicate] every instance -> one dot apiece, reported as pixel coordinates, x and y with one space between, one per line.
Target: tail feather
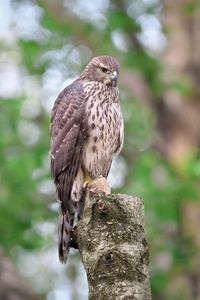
64 229
65 226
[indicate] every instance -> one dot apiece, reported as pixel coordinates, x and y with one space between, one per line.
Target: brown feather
68 128
86 131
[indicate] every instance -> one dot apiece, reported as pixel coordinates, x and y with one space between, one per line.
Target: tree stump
113 247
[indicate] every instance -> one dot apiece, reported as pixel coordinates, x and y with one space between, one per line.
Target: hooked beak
114 76
112 79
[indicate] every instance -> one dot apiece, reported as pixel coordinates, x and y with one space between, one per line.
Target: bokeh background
44 45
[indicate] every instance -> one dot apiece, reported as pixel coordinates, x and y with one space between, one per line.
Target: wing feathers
63 152
68 131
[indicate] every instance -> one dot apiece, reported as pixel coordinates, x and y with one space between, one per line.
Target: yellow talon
87 179
98 185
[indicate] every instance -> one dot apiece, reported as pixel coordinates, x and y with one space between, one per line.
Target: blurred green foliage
20 206
149 174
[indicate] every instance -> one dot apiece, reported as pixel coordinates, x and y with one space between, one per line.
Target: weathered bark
113 247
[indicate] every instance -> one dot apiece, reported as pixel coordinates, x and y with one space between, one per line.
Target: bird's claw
98 185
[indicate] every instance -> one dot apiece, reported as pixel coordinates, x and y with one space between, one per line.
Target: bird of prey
87 131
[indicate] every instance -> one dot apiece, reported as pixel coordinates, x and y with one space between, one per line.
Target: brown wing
68 132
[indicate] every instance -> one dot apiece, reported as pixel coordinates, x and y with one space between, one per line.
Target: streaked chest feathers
105 128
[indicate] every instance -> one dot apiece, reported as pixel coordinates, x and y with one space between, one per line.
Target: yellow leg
99 184
87 179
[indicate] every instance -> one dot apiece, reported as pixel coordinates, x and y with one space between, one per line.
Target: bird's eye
104 70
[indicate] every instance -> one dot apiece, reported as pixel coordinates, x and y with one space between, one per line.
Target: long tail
64 229
65 226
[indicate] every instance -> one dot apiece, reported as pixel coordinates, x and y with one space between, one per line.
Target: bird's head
104 69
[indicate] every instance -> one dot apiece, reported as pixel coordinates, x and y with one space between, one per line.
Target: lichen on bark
113 247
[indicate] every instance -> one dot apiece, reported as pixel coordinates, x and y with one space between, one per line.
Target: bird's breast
104 123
